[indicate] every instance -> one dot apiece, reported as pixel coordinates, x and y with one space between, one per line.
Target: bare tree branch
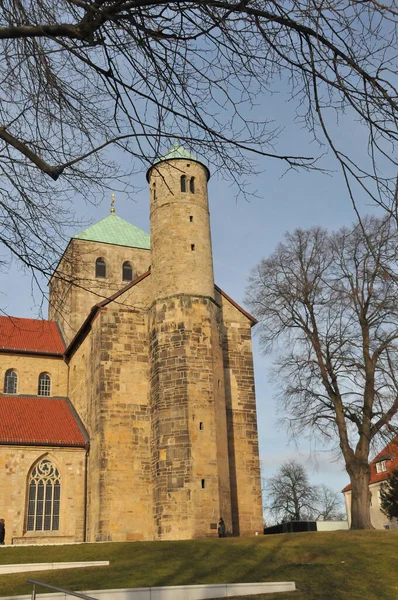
330 302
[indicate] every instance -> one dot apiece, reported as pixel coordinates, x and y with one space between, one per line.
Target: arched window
10 382
183 183
127 271
100 267
44 493
192 185
154 191
44 384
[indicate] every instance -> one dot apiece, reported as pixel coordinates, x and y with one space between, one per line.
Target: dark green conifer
389 496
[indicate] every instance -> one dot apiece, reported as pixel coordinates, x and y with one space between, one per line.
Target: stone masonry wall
71 303
16 463
29 367
242 421
189 438
117 417
84 387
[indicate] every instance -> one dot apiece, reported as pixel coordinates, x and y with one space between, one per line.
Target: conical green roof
115 230
177 152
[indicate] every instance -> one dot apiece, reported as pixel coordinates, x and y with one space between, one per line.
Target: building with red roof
40 421
130 413
381 468
30 336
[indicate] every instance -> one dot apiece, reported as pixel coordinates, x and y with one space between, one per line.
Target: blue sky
242 233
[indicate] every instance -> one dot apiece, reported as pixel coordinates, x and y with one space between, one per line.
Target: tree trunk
360 498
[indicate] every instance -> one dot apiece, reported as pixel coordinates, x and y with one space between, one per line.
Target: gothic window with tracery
44 384
10 382
100 267
44 497
127 271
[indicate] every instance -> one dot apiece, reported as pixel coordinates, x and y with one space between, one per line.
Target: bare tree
78 76
329 505
330 301
290 497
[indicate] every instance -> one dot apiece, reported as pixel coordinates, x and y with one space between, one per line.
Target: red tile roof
40 421
30 335
390 455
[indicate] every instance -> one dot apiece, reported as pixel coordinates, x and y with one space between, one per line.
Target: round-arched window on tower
44 384
192 185
100 268
183 183
127 271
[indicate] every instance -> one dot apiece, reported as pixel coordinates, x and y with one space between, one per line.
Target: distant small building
381 468
299 526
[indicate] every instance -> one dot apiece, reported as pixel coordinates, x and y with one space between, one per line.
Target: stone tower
187 392
75 286
159 370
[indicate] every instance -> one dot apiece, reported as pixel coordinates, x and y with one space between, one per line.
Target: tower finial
113 204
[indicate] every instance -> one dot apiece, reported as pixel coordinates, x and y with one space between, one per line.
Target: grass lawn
341 565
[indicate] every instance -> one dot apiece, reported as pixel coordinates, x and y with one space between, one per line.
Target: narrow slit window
44 384
203 484
192 185
127 271
201 426
191 218
192 247
100 268
154 191
10 382
183 183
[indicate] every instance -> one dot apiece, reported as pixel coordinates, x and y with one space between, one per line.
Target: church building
130 413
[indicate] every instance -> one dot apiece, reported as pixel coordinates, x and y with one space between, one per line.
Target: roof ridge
236 305
86 325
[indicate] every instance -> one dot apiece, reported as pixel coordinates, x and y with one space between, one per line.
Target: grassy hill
341 565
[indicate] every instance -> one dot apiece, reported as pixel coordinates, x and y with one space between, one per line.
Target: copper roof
39 421
115 230
177 152
30 335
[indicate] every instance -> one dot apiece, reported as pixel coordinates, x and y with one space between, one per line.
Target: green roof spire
115 230
177 151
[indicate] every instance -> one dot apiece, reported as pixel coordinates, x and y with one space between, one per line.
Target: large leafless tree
329 304
80 76
290 496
